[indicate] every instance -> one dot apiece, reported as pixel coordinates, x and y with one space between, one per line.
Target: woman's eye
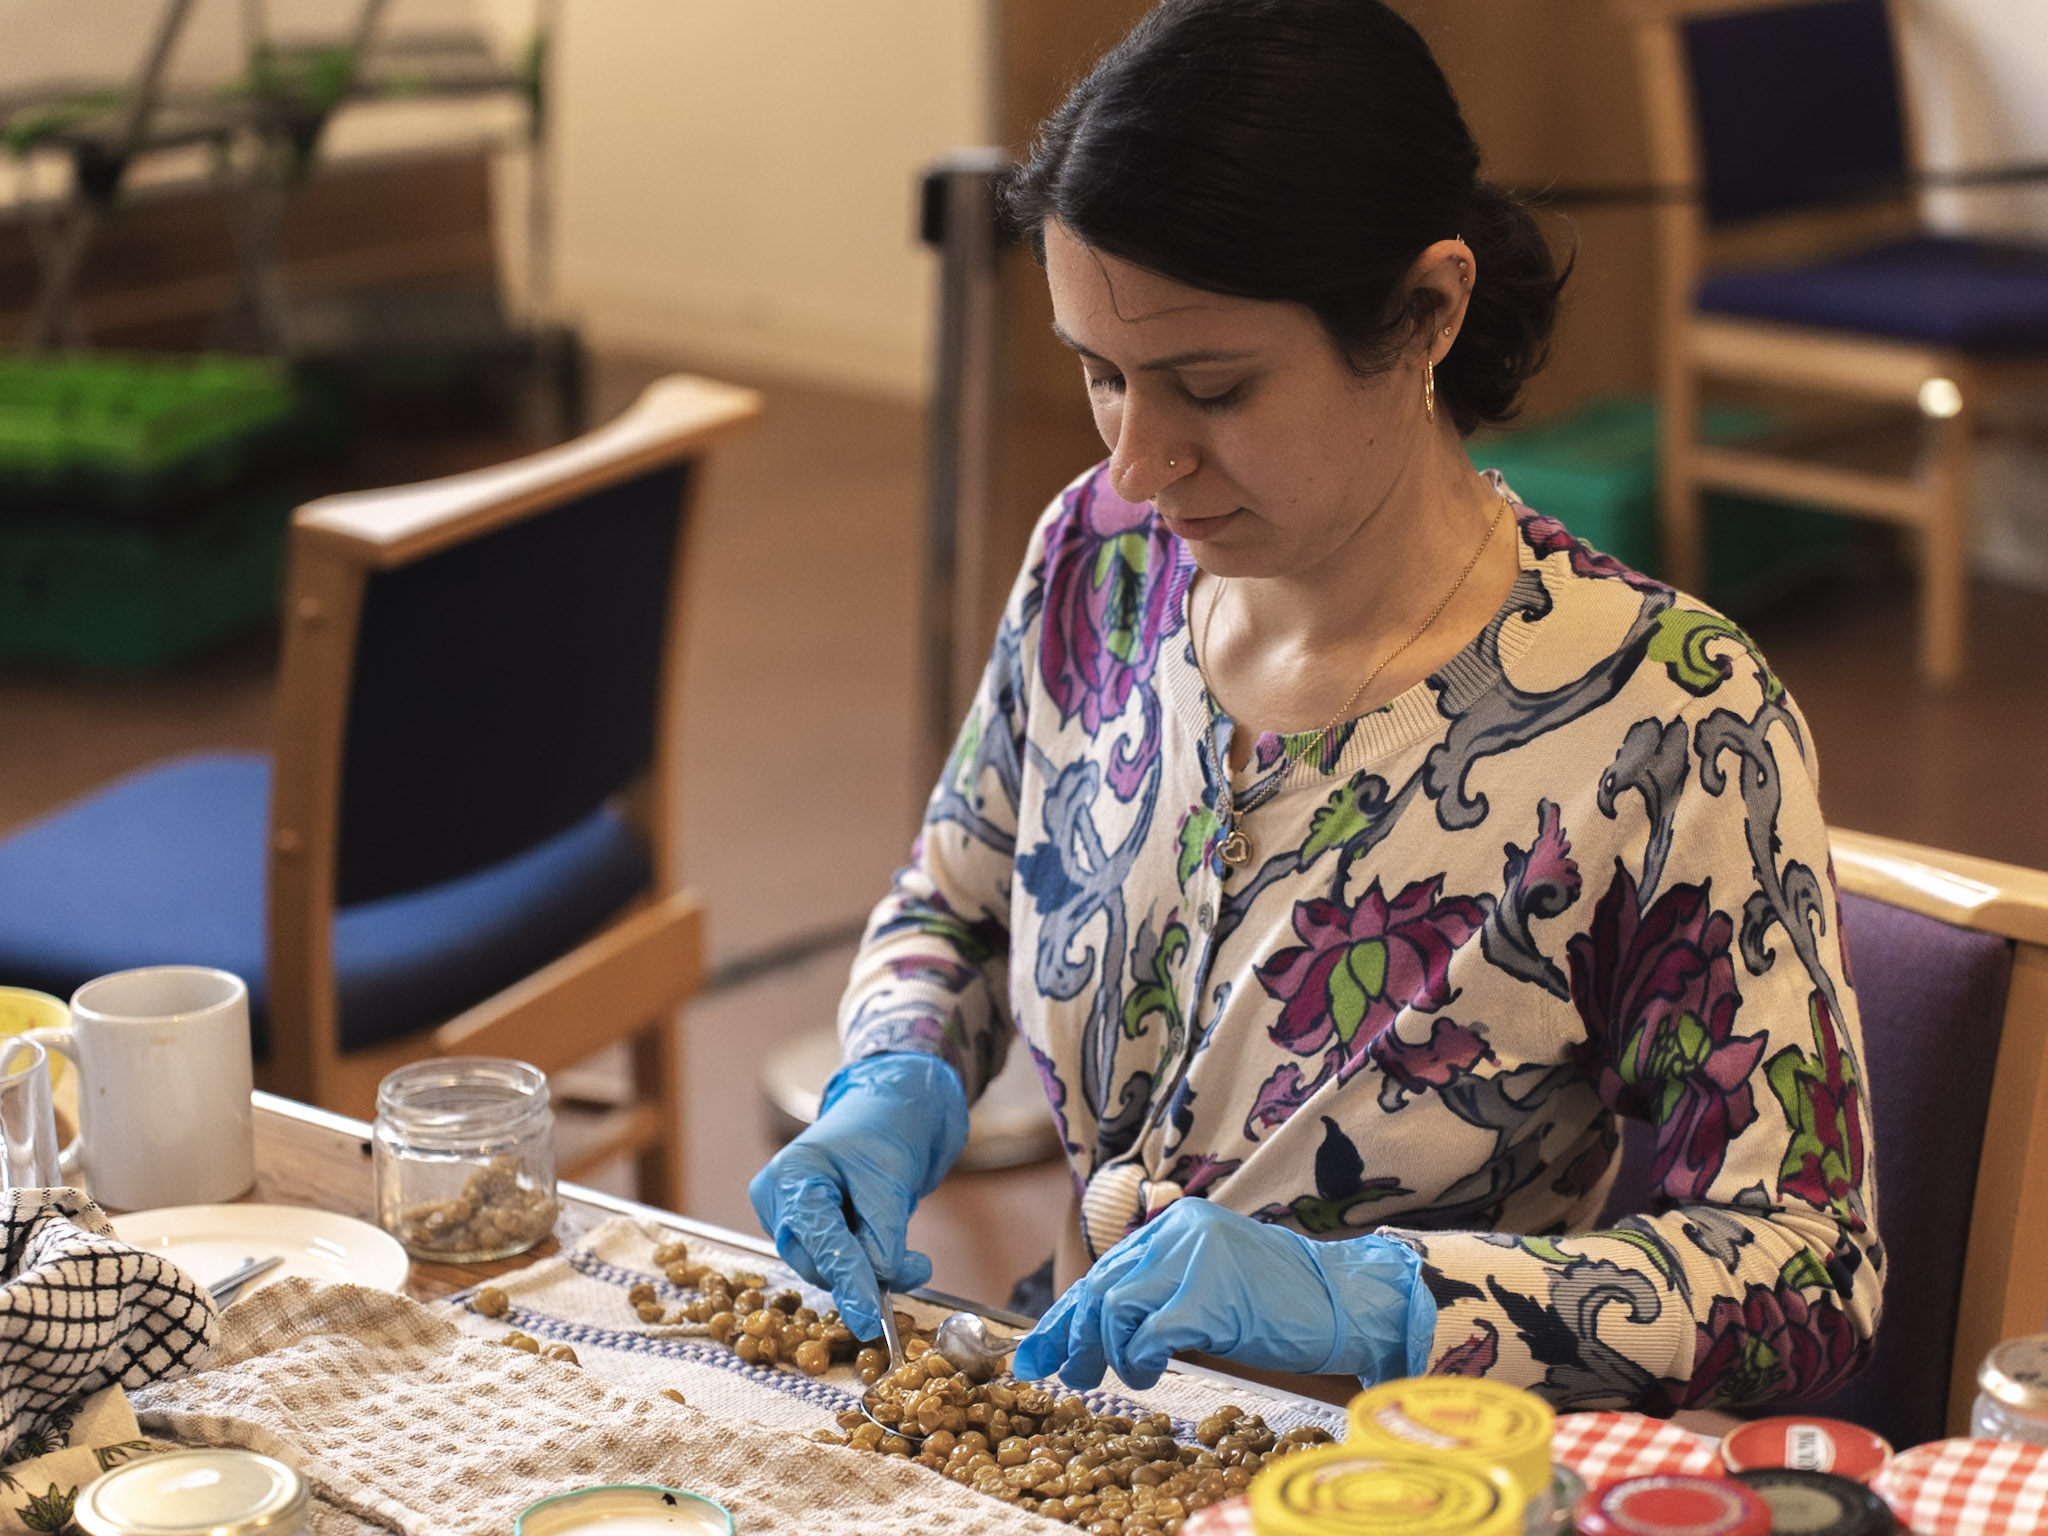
1107 383
1217 402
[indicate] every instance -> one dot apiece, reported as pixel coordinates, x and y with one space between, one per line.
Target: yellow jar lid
1458 1418
1335 1490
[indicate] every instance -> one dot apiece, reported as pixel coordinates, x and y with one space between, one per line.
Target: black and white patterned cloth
81 1310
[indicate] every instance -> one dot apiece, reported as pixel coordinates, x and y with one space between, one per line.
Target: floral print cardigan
1578 873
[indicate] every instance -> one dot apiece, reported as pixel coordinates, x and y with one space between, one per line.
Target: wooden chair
465 842
1949 956
1798 263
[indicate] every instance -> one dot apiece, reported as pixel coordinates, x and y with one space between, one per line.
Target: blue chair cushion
167 867
1979 295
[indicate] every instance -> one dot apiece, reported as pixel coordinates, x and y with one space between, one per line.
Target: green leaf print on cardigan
1412 1010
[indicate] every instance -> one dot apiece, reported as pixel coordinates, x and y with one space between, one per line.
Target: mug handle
70 1159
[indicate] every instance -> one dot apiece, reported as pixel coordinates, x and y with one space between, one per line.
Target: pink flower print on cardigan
1113 592
1823 1105
1359 968
1657 993
1775 1342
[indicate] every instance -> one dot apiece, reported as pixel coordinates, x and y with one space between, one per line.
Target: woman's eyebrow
1159 365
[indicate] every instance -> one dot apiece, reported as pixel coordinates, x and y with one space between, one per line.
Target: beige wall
737 176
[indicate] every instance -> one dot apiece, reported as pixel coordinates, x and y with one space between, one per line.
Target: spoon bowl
974 1349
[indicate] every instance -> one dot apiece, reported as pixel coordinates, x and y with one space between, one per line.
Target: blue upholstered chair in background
1800 262
1950 961
464 840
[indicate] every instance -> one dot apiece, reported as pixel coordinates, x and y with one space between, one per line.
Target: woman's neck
1282 652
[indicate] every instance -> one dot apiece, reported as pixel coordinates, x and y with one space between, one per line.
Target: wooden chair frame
2005 1267
626 982
1693 346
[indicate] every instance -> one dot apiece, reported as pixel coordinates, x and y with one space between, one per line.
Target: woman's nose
1141 466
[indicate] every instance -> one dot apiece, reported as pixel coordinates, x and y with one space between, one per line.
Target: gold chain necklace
1237 847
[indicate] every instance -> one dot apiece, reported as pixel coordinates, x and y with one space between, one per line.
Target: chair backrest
470 666
1788 122
1795 106
548 630
1949 957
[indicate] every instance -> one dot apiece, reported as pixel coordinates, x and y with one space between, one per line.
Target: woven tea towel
402 1424
80 1311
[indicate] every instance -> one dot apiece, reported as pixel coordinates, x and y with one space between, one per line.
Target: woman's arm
932 974
1718 1008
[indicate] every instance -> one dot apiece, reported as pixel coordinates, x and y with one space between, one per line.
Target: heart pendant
1236 849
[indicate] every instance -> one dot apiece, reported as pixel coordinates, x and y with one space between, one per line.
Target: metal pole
959 218
60 278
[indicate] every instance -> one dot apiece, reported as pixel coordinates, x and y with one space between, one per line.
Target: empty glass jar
465 1154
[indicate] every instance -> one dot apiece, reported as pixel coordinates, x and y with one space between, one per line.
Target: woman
1349 844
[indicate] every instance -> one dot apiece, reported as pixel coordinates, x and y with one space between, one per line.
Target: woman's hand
1200 1277
837 1200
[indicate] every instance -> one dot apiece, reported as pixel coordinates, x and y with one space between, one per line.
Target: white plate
210 1241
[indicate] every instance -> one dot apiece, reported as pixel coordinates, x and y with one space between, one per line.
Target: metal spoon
894 1340
966 1342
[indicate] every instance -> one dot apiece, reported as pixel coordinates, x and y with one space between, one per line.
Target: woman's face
1237 417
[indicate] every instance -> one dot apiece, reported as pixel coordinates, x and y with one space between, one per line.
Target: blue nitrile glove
837 1200
1200 1277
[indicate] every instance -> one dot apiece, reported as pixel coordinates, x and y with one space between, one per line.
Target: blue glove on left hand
1200 1277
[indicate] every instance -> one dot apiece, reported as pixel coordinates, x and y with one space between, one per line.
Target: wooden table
308 1156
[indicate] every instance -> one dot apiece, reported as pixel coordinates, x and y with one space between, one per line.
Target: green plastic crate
119 596
143 437
1595 471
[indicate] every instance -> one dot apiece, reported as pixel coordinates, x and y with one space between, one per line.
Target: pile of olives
493 1213
738 1311
1106 1474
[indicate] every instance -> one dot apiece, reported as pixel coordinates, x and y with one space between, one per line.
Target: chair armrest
1982 894
673 419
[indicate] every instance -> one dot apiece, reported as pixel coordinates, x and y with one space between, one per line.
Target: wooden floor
798 800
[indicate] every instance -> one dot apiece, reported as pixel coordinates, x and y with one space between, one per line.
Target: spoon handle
889 1334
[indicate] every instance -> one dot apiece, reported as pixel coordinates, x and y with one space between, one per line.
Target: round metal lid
2016 1374
213 1492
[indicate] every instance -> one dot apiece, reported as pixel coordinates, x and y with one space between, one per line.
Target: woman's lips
1195 529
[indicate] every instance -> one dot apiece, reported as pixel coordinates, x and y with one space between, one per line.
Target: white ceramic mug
163 1062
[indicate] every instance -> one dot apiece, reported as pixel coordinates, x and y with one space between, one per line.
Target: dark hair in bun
1301 150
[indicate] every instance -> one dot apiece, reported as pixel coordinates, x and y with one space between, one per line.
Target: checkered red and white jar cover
1968 1488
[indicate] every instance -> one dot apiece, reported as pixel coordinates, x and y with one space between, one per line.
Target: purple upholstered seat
1932 998
1980 295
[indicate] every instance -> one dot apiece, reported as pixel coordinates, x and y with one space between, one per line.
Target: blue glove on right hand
837 1200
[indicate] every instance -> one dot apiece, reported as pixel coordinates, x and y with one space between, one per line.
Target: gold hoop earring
1429 388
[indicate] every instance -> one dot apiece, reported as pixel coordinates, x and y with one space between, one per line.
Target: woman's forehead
1101 301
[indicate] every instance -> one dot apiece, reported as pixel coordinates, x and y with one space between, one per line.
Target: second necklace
1236 850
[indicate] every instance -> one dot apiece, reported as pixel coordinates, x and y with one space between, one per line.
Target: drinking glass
28 1125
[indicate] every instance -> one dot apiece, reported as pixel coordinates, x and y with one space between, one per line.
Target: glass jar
215 1491
465 1153
2012 1392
